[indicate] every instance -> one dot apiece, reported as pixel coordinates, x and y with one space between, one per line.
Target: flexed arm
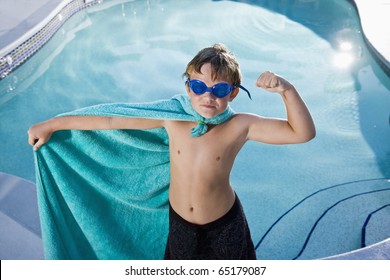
299 126
40 133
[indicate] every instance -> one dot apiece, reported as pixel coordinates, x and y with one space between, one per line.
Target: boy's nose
209 94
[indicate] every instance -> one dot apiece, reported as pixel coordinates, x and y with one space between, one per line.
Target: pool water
306 201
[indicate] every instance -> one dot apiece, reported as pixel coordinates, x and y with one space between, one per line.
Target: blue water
302 201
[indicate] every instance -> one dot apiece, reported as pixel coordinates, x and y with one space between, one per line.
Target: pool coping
378 46
17 52
37 35
377 251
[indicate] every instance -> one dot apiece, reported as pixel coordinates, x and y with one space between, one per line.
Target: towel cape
103 194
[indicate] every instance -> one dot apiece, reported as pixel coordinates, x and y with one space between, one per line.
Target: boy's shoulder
245 117
241 121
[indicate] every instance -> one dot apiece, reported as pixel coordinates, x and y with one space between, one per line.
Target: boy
206 220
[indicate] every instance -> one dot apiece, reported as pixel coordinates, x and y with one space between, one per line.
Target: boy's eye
199 88
221 89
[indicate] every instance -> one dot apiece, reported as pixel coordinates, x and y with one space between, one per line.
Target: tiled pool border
30 45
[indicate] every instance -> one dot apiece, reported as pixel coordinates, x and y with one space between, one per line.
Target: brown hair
224 65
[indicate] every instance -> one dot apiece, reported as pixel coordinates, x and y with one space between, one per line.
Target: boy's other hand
272 82
39 134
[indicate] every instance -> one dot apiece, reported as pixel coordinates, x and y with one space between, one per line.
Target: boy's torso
200 189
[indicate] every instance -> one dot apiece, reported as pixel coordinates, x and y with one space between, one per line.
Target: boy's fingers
265 80
269 81
38 143
32 140
266 84
260 80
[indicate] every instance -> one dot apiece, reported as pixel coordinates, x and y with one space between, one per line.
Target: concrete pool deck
19 221
374 17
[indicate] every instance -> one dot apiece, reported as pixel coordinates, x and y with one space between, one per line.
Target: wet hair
224 65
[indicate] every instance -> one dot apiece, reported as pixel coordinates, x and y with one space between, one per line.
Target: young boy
206 220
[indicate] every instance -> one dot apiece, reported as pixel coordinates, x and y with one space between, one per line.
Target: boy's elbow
309 135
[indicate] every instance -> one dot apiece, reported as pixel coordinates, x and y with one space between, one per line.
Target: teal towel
103 194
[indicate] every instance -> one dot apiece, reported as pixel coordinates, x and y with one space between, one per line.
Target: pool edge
377 251
376 50
21 49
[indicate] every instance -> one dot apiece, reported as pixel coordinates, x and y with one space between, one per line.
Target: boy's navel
178 152
218 158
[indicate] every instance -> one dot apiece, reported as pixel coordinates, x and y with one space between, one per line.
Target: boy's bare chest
219 143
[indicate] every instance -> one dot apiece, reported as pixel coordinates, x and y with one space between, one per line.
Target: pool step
20 235
331 221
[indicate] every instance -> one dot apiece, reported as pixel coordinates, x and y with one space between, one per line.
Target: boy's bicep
267 130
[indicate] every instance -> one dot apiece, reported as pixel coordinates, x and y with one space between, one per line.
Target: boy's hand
39 134
272 82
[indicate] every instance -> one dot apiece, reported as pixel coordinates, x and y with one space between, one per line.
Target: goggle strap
247 91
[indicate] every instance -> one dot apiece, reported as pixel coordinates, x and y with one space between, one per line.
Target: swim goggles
219 90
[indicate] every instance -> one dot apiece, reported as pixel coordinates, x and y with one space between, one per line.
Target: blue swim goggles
219 90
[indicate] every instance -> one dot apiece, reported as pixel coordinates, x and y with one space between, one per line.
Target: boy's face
207 105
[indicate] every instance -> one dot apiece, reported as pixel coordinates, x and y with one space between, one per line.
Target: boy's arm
40 133
299 126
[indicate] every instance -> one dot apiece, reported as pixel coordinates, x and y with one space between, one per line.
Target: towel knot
203 122
200 129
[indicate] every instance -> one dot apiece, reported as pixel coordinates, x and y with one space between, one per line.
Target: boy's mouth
208 106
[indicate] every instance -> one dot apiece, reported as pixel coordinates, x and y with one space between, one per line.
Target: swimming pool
297 198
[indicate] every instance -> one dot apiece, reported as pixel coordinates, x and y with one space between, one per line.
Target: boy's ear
187 88
234 94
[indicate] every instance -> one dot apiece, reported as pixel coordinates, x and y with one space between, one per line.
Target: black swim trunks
227 238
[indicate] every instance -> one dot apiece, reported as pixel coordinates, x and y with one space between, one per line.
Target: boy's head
213 80
224 65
